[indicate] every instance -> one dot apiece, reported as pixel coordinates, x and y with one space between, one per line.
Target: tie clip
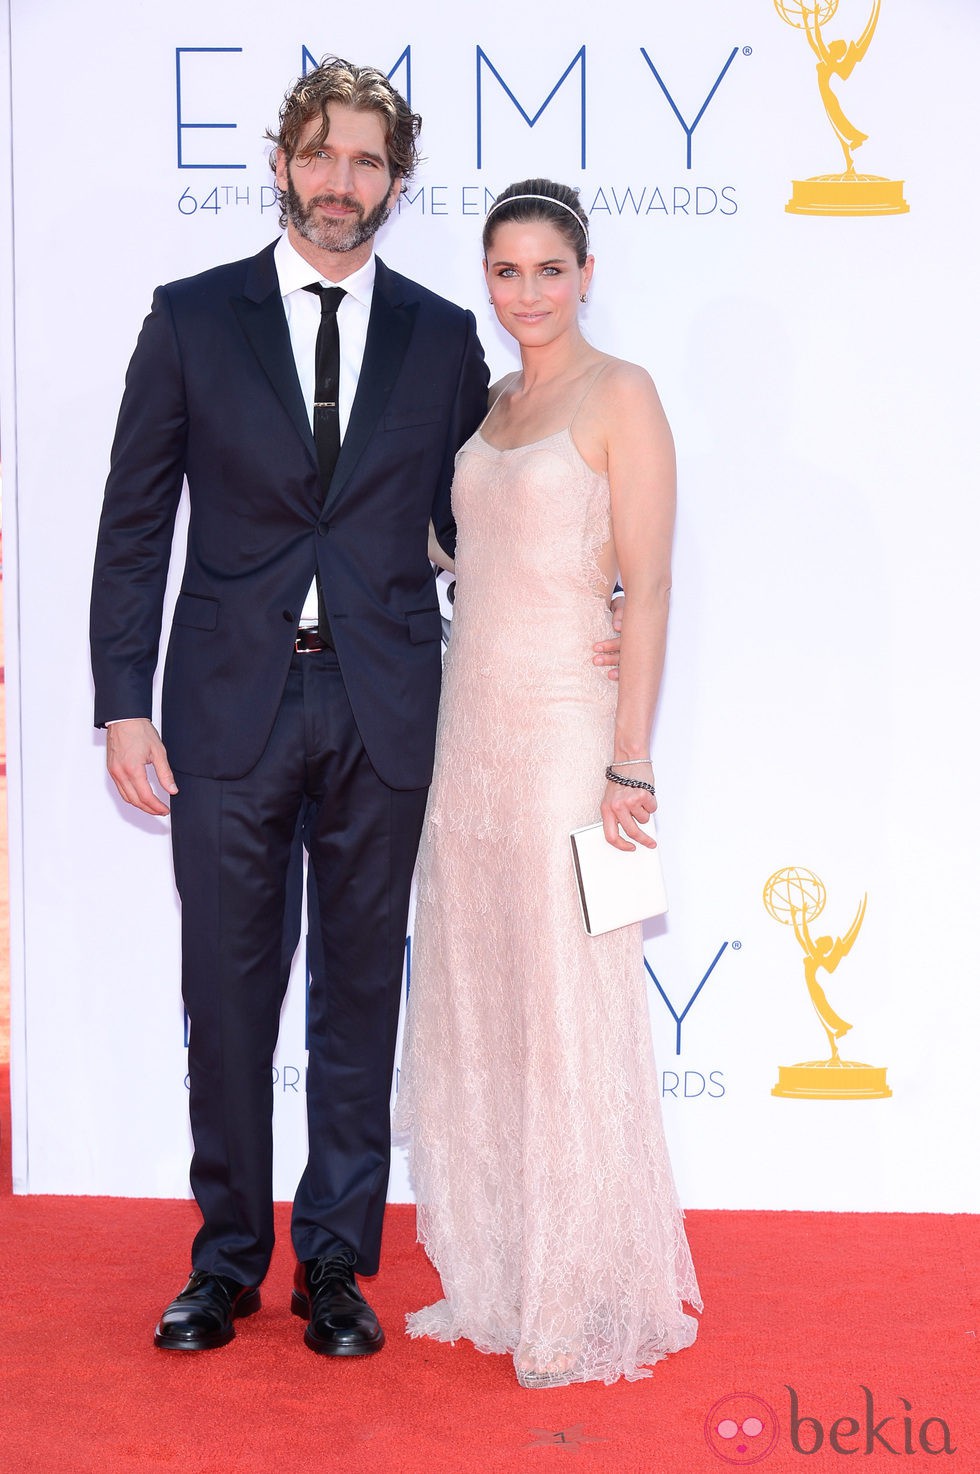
324 404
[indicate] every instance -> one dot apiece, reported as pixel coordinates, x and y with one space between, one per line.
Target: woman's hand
627 809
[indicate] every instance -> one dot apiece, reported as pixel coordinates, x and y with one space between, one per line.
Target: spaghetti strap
587 391
513 374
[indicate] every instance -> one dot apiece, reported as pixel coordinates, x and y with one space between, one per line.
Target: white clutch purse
616 887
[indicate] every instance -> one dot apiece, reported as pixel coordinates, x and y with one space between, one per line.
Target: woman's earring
490 300
583 297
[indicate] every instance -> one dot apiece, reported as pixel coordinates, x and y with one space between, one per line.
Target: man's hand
607 651
130 747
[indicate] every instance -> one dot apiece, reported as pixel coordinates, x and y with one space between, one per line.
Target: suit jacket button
288 616
323 528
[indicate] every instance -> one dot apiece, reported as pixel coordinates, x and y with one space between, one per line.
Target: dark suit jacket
212 393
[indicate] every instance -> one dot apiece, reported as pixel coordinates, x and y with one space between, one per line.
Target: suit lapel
389 333
263 321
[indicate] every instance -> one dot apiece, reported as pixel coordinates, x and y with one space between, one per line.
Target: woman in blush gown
529 1096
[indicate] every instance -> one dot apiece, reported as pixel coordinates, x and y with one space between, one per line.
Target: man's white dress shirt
302 311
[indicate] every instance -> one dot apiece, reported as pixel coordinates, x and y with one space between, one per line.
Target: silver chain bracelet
629 782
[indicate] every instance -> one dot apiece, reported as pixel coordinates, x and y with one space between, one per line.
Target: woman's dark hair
541 199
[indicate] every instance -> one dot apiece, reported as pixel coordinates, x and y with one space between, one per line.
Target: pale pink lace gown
528 1090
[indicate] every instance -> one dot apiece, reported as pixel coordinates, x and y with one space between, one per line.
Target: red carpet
822 1303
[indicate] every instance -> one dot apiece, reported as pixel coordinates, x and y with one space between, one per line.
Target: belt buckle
308 642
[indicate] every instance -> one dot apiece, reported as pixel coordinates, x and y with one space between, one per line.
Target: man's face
338 196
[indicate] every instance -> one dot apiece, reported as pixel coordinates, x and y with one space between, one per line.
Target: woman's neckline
527 444
566 429
506 450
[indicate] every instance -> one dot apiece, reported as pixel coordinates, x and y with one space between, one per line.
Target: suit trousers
233 843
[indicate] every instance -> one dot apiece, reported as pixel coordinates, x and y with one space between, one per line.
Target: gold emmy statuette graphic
795 898
849 193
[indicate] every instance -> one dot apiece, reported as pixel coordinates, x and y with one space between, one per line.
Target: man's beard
328 234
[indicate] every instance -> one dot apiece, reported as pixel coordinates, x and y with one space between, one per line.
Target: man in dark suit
277 712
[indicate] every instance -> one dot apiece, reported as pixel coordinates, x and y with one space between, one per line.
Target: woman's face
535 281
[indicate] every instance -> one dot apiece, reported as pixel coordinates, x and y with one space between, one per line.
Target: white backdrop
819 705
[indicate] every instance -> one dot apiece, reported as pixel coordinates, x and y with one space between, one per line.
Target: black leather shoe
201 1316
341 1322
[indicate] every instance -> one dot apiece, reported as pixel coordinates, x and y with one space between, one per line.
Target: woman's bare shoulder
626 397
620 377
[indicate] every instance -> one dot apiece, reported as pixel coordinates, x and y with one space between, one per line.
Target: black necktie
326 411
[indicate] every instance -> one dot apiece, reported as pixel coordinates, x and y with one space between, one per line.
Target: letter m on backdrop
482 60
310 64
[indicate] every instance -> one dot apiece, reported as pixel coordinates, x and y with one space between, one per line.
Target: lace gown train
528 1090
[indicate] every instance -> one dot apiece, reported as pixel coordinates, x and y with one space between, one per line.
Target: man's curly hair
363 88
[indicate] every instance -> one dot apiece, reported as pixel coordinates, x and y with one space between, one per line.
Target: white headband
497 204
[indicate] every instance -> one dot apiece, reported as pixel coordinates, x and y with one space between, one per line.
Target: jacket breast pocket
423 625
406 419
196 611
